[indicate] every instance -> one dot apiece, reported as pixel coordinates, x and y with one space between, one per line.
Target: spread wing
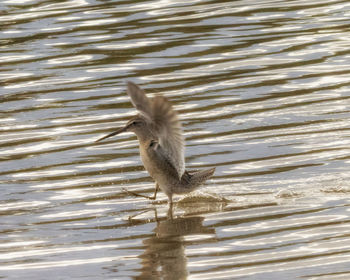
165 123
140 101
169 132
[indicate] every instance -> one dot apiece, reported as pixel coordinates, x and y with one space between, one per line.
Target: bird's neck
145 136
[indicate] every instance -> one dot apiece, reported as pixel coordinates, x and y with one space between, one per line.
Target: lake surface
263 92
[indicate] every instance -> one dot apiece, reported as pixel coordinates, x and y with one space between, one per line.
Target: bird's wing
140 100
169 132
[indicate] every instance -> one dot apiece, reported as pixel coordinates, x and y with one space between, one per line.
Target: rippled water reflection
262 90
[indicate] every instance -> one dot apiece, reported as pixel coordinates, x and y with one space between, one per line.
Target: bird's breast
148 162
158 167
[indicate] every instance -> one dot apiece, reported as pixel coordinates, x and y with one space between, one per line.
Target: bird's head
137 124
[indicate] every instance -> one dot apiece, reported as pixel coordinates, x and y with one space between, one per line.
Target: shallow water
262 88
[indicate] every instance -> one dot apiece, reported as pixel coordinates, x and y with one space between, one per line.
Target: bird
161 144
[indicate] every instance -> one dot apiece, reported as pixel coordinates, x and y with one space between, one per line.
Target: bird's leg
170 212
170 196
155 192
140 195
171 206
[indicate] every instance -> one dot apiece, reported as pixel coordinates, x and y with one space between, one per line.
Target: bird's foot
139 195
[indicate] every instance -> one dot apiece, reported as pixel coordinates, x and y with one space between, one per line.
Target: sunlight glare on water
262 90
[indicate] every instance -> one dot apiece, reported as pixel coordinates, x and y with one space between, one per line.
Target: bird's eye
153 143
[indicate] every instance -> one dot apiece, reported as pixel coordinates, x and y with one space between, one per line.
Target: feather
140 101
169 132
165 122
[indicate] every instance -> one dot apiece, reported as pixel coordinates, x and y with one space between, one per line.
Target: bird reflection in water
165 257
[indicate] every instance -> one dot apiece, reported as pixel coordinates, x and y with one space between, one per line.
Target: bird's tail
191 181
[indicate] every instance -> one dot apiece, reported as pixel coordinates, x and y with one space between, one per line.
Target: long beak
120 130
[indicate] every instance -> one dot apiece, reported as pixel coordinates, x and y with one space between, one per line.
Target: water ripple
262 92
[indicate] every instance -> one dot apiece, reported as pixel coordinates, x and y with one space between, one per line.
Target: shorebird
161 144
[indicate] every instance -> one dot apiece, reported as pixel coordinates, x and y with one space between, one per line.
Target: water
262 88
